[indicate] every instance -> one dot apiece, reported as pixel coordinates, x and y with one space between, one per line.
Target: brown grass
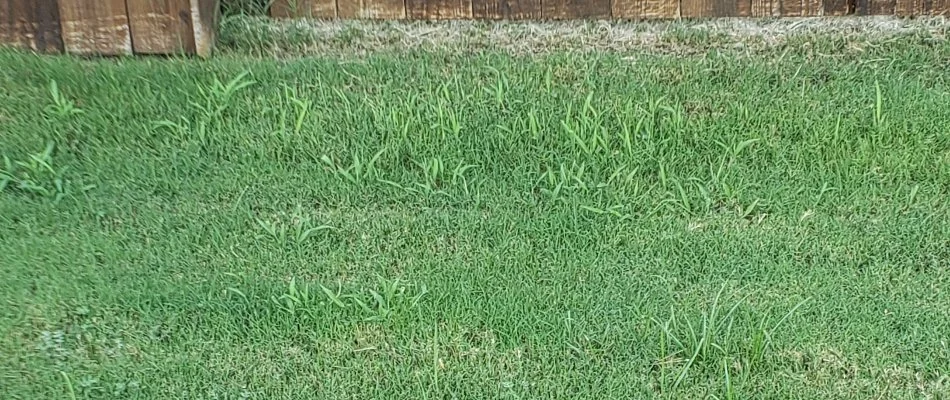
297 37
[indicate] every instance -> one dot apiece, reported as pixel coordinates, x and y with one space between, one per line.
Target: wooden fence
109 27
592 9
112 27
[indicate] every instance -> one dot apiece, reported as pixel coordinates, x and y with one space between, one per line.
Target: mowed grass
478 226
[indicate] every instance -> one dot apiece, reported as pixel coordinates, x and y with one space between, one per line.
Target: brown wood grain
938 7
744 8
575 9
438 9
790 8
801 8
765 8
813 8
909 7
372 9
31 24
506 9
862 7
204 20
644 9
95 27
906 7
306 8
882 7
161 26
835 7
928 7
709 8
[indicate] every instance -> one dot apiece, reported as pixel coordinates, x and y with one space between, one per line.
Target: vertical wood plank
906 8
790 8
693 8
835 7
95 27
938 7
204 20
801 8
660 9
306 8
161 26
31 24
372 9
645 9
862 7
882 7
439 9
575 9
764 8
625 9
813 8
506 9
709 8
744 8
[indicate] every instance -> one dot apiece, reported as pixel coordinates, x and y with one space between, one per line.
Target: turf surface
428 225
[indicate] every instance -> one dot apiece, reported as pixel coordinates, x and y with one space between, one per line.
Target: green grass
478 226
231 8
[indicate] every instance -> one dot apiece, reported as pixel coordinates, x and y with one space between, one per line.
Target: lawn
717 223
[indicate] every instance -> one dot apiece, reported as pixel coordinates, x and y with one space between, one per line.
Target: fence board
506 9
801 8
110 27
161 26
31 24
644 9
95 27
909 7
660 9
204 20
575 9
790 8
439 9
862 7
764 8
372 9
305 8
882 7
744 8
939 7
709 8
835 7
